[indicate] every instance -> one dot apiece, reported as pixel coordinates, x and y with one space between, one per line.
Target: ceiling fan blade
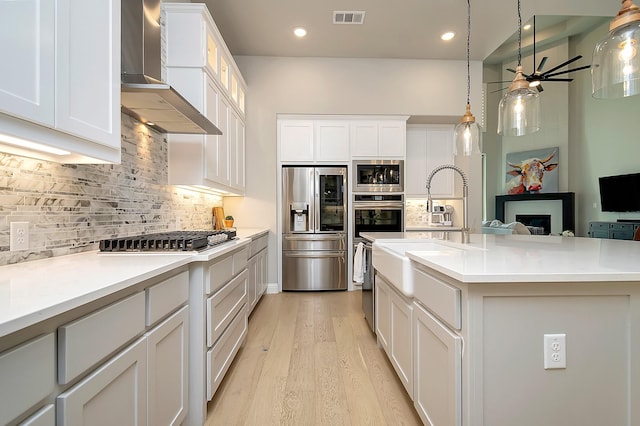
501 82
564 72
558 79
542 62
546 73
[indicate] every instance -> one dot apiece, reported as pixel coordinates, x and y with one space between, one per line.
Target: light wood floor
310 359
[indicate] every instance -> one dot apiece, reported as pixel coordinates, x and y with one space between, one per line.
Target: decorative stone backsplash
70 207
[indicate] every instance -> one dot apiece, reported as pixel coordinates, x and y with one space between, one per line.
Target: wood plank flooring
311 359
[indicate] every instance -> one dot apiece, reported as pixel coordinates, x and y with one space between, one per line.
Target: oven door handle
377 205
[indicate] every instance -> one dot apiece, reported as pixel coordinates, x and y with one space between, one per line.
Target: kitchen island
512 329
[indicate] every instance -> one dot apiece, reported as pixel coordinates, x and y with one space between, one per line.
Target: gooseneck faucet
465 194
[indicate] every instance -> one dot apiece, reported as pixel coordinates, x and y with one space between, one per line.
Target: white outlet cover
19 236
555 351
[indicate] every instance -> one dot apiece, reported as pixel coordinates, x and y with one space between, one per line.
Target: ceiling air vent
352 17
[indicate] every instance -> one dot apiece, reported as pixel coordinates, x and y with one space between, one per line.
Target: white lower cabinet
218 322
167 363
44 417
114 394
257 268
437 369
383 313
27 376
394 314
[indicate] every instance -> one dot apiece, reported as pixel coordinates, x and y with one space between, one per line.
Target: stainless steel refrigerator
314 236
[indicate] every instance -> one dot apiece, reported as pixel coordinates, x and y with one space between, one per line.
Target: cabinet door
331 140
27 51
263 264
439 152
383 313
115 394
416 163
401 346
222 141
364 138
252 281
88 69
437 371
295 140
27 376
211 169
391 138
236 151
167 354
240 157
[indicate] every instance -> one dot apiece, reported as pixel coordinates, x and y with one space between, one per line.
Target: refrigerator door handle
323 237
316 210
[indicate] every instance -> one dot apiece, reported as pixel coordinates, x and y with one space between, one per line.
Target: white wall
604 138
278 85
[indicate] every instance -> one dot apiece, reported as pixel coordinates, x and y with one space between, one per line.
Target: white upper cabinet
200 67
383 138
331 140
295 140
428 147
62 89
313 140
192 40
27 34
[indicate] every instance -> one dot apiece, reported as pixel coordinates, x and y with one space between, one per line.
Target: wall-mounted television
620 193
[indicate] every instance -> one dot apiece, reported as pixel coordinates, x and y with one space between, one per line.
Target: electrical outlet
555 351
19 236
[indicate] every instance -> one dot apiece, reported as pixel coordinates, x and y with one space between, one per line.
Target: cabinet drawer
224 305
85 342
622 227
258 244
45 417
219 273
219 358
599 226
240 260
439 297
27 376
165 297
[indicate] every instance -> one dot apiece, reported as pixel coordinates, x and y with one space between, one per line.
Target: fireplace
536 220
558 209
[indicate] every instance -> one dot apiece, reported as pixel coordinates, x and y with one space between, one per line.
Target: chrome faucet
465 194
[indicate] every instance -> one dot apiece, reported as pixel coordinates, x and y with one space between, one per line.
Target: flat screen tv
620 193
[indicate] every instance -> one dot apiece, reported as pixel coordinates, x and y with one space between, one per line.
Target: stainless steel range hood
143 95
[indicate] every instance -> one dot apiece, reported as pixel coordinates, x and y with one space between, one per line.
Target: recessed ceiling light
299 32
448 36
527 27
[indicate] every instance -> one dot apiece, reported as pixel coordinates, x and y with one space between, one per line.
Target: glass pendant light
467 133
615 72
519 110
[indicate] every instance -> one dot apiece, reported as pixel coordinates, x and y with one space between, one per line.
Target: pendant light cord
468 49
519 36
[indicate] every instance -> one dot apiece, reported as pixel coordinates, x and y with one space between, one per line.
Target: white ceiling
408 29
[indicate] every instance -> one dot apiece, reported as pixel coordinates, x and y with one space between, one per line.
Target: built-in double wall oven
378 206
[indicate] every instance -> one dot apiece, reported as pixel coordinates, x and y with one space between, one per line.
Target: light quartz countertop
521 258
31 292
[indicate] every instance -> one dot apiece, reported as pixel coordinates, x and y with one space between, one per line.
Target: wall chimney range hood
144 96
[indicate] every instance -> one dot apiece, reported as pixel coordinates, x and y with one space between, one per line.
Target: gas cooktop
173 241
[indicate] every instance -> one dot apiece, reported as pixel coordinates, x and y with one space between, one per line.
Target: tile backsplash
70 208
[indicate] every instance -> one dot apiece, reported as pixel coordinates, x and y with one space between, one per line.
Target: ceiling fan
536 78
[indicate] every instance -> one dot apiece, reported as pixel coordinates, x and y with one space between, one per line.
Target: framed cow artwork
532 172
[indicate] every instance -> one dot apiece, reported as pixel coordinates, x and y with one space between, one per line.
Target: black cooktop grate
166 241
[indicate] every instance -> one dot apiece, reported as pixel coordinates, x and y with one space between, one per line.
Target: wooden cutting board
218 217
